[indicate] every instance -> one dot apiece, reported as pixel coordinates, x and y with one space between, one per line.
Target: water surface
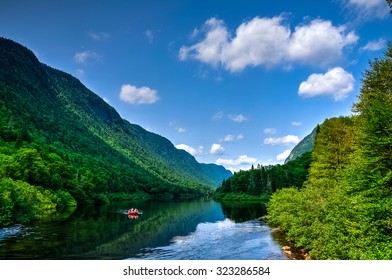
189 230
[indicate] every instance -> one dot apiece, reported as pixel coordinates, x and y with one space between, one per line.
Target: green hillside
61 141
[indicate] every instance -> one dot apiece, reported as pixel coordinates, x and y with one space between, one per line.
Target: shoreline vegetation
260 182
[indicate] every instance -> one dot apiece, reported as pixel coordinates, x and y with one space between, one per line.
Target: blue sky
232 82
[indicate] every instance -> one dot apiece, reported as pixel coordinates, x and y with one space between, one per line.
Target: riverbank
290 251
221 196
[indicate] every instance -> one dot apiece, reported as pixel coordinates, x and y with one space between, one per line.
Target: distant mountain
85 147
218 172
305 145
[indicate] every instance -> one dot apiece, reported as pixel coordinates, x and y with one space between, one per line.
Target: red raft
134 212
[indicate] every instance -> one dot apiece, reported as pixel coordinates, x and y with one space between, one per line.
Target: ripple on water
13 231
221 240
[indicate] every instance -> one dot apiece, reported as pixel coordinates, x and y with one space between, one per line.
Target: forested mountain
59 140
305 145
217 172
262 181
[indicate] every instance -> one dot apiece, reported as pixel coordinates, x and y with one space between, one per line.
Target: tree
27 165
334 143
374 109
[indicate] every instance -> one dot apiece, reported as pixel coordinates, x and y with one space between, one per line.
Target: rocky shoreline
293 254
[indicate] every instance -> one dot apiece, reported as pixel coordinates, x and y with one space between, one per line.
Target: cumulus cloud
336 83
268 42
269 130
134 95
375 45
237 118
209 50
241 160
84 57
283 155
260 41
216 149
289 139
187 148
319 43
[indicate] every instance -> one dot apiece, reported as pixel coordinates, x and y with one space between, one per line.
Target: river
191 230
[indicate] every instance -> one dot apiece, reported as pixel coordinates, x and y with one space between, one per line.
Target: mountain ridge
40 104
305 145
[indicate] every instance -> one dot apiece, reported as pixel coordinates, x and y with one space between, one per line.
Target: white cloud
243 159
319 43
296 123
134 95
83 57
150 35
261 41
99 36
336 82
268 42
237 118
218 116
369 8
269 130
375 45
187 148
229 138
232 138
210 49
289 139
283 155
174 125
216 149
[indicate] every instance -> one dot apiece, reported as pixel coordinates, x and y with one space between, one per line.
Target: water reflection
167 230
242 212
223 240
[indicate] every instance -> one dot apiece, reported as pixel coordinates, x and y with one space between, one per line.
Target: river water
191 230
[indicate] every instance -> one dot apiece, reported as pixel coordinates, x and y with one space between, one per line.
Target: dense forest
62 145
344 209
260 182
